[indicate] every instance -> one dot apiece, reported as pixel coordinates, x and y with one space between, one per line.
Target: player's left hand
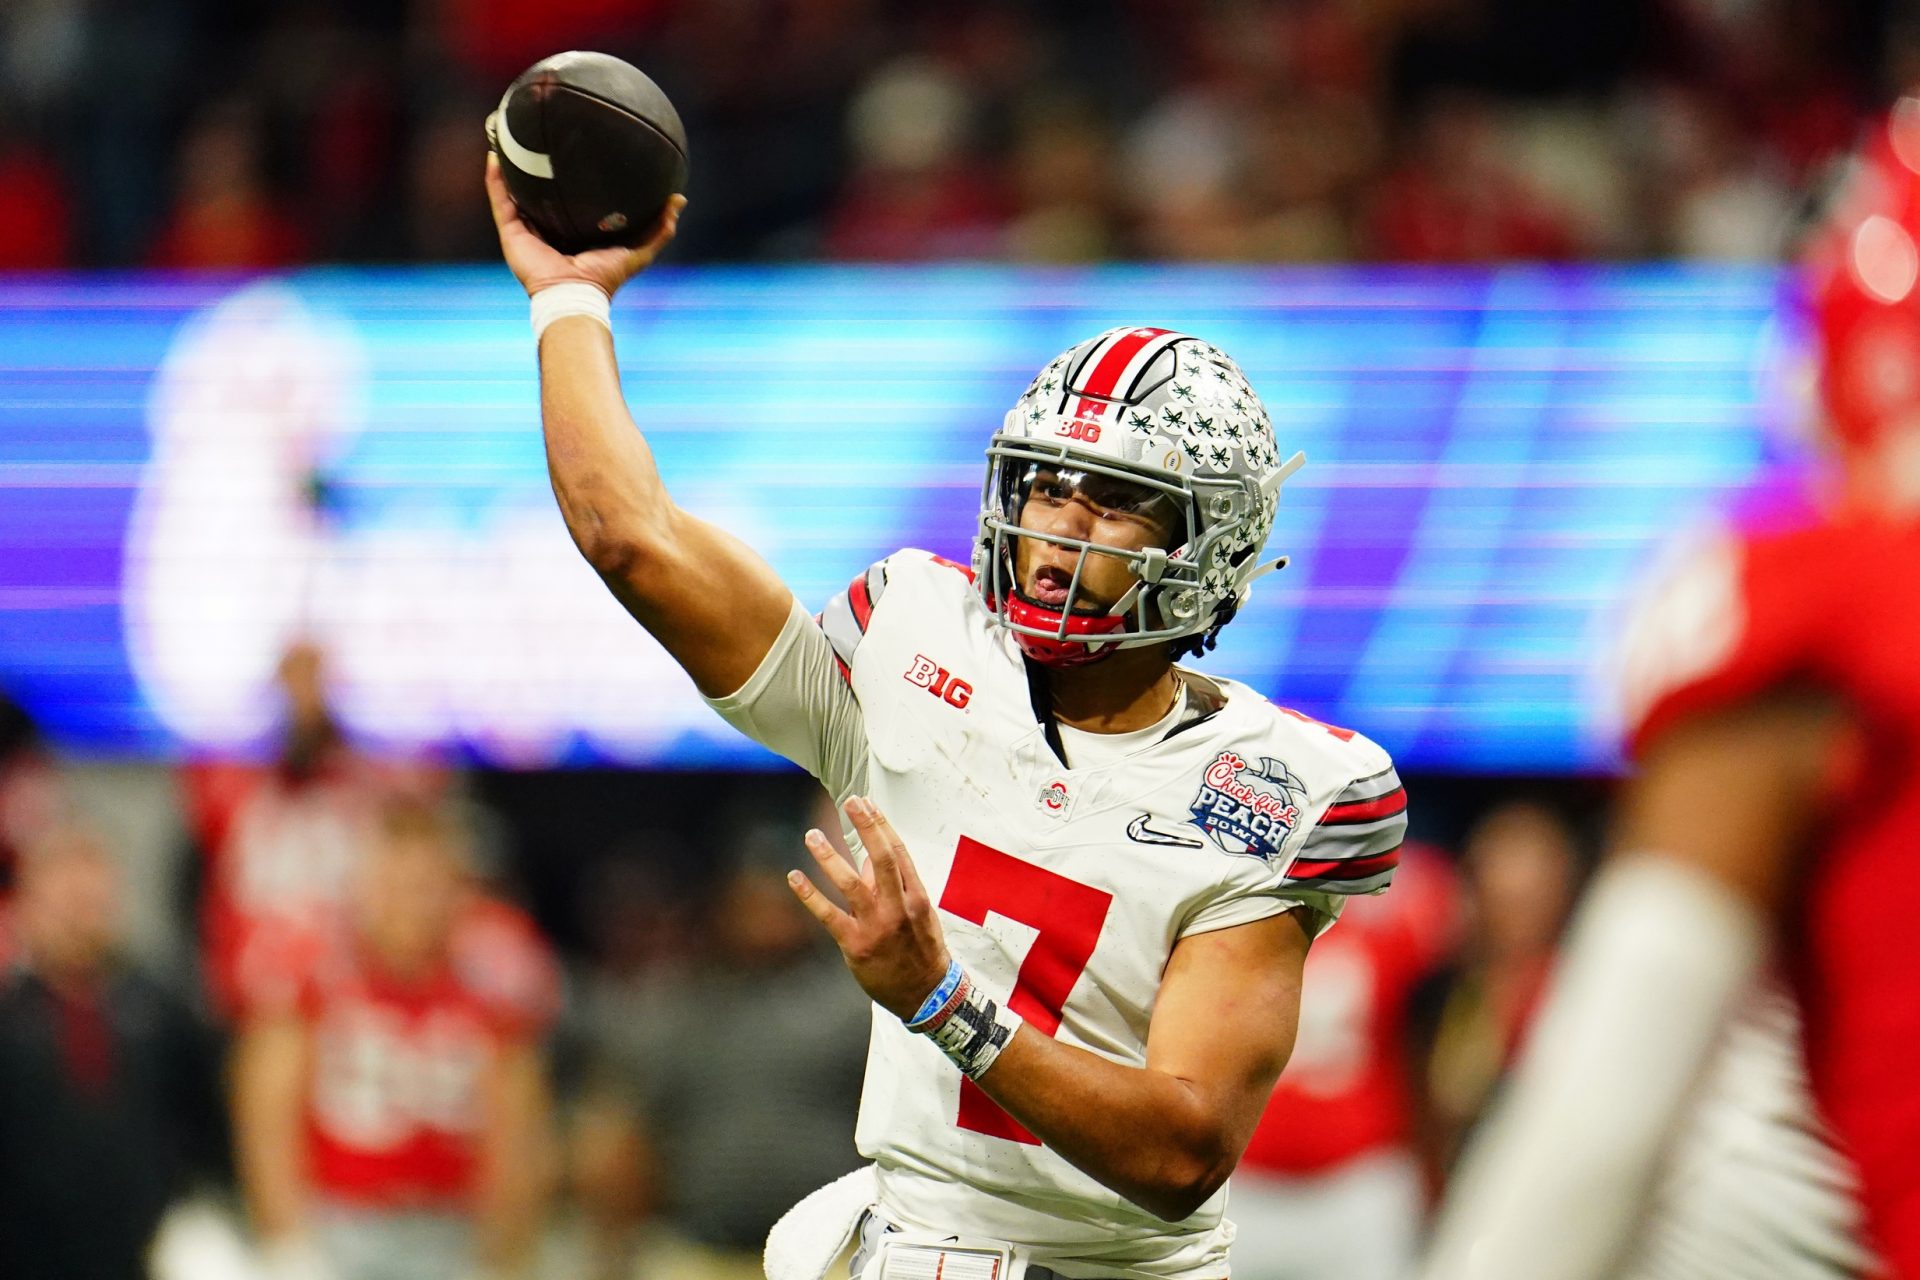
888 935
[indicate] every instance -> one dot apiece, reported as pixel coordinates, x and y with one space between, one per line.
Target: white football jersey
1062 889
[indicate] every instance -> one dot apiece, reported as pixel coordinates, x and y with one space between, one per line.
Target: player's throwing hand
888 935
538 264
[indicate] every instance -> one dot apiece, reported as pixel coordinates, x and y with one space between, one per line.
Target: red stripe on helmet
1105 374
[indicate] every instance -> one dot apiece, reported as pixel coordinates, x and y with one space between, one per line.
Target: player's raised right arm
714 604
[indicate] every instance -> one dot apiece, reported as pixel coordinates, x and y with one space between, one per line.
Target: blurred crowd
421 1025
246 134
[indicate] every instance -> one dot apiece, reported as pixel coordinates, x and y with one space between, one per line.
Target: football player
1775 712
1084 879
389 1076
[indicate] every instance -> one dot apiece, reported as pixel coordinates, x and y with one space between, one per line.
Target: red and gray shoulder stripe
1355 846
846 616
1112 367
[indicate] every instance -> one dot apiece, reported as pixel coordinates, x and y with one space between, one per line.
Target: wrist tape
576 298
966 1024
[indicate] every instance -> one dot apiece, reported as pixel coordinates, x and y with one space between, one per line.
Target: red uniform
1832 606
394 1105
1345 1092
278 846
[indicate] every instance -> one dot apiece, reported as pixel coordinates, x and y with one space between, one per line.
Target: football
590 149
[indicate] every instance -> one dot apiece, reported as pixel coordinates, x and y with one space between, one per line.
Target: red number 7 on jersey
1068 915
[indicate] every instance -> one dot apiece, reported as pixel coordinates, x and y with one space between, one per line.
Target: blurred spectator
498 39
108 1088
1330 1187
36 212
390 1088
1182 171
1449 196
890 132
638 922
1717 199
1308 160
915 189
96 88
1063 176
224 215
740 1079
1521 868
447 210
279 841
763 87
329 83
31 803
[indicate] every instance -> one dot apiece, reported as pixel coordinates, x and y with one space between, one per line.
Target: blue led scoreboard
195 473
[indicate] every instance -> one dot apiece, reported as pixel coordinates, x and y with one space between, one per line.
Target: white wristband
577 298
970 1027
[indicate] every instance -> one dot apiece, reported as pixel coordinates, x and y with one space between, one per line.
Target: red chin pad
1050 651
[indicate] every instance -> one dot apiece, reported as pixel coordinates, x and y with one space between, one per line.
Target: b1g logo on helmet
1247 808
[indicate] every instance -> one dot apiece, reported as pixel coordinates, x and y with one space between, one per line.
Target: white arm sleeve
1555 1184
798 704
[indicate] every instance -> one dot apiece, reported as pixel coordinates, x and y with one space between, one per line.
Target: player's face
1103 510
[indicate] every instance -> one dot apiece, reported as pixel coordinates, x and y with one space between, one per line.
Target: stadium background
1509 272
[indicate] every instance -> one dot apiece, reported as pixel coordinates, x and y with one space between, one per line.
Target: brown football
590 148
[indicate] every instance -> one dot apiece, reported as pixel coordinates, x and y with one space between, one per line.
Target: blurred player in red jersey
1330 1187
280 839
390 1091
1774 706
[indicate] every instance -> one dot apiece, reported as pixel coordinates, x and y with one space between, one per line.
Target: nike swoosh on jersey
1139 830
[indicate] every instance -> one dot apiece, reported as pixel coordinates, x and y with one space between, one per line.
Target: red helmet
1864 280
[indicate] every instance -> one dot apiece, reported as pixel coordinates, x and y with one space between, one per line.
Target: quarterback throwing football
1090 877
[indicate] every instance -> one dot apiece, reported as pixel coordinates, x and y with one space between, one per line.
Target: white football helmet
1161 410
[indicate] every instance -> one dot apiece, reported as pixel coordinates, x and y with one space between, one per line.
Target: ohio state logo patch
1248 808
1054 799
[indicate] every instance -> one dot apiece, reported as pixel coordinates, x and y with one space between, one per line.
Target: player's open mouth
1050 587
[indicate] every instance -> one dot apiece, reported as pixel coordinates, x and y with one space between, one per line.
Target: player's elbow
1177 1204
621 549
1184 1184
613 552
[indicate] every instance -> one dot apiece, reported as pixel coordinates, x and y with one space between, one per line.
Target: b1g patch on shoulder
1248 807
